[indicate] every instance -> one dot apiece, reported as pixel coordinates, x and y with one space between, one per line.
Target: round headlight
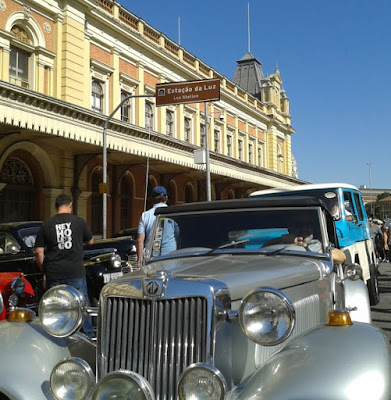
62 310
13 300
116 261
18 286
72 379
123 384
201 381
267 316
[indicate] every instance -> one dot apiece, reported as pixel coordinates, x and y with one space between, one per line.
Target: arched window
202 135
260 155
187 130
17 198
216 141
280 159
148 115
169 122
251 153
151 184
20 58
125 203
229 145
189 193
240 149
97 96
96 204
125 108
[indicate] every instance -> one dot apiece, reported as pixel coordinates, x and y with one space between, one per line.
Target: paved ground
381 313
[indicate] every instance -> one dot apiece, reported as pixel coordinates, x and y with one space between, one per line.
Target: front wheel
373 286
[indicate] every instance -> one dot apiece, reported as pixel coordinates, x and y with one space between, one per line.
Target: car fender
28 355
357 300
357 252
344 362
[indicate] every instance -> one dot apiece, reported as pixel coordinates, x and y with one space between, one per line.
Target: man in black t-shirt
59 251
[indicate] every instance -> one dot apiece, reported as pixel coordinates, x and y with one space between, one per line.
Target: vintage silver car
237 300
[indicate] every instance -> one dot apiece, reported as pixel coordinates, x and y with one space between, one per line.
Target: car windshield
29 235
330 198
244 230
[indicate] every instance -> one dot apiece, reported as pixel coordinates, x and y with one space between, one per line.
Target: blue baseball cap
159 191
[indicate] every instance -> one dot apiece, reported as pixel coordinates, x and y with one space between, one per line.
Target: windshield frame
228 249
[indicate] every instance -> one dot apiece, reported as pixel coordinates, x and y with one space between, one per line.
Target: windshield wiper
228 245
275 252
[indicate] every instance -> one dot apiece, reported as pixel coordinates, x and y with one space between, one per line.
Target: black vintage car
105 260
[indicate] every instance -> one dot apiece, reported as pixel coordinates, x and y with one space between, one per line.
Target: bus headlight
266 316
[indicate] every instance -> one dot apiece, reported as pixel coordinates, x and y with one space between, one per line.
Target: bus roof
300 188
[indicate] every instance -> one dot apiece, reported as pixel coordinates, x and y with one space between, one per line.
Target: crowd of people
381 235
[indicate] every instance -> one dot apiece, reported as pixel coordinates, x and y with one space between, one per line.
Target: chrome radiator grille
157 339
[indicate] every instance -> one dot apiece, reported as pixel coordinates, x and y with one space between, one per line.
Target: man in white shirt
159 199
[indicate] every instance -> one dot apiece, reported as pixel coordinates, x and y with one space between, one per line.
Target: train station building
66 66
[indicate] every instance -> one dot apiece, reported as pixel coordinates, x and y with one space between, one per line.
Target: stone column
49 199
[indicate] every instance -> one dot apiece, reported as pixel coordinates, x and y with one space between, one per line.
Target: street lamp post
207 160
370 187
104 145
207 163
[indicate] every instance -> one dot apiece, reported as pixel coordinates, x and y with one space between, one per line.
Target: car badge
153 288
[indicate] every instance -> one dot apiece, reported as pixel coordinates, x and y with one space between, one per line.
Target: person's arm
39 256
88 239
385 238
139 248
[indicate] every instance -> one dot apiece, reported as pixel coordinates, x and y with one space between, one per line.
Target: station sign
187 92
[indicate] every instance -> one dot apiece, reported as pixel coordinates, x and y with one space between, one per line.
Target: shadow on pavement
381 313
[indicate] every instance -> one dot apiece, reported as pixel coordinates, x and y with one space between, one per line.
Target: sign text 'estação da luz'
187 92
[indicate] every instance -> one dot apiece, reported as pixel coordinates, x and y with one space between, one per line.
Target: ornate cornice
49 107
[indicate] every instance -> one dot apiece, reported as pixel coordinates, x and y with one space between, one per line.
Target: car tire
373 286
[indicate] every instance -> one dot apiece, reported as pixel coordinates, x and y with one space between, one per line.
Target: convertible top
267 202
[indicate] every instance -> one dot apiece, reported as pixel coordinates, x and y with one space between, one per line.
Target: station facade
65 67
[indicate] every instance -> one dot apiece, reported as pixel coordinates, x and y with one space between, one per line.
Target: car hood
124 242
240 273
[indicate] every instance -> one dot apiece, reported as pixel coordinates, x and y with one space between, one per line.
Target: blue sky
334 57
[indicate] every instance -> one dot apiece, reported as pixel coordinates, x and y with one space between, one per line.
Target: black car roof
19 225
266 202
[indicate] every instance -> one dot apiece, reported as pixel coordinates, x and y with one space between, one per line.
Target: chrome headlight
123 384
72 379
201 381
62 310
18 286
13 301
1 304
116 260
267 316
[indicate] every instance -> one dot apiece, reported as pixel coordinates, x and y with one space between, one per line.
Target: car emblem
153 288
